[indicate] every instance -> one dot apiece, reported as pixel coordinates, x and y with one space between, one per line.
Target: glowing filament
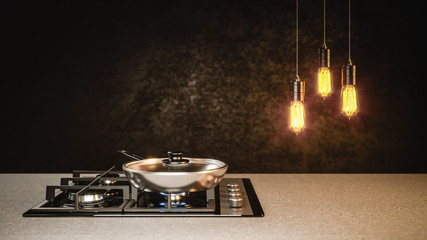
297 116
324 85
348 100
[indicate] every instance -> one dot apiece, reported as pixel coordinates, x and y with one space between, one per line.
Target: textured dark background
83 79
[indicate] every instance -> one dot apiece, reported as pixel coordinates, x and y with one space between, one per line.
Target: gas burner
184 199
89 197
107 182
108 179
176 198
110 194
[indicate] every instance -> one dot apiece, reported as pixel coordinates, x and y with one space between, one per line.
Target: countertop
296 206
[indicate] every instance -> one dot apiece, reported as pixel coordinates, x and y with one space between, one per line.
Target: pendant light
297 92
349 105
324 84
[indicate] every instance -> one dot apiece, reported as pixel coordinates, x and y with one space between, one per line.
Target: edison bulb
297 116
324 84
349 100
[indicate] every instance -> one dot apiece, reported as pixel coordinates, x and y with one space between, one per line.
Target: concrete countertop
296 206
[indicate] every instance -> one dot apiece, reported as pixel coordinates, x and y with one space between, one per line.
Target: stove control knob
234 194
233 190
235 202
233 185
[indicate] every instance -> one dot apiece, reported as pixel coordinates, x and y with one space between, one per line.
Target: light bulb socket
348 74
324 57
297 90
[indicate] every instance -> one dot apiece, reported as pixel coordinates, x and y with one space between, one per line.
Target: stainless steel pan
174 174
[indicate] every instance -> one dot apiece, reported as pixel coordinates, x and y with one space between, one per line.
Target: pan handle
131 155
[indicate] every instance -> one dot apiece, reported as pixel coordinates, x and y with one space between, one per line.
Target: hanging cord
324 22
296 49
349 30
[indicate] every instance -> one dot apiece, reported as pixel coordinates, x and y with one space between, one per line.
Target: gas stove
109 194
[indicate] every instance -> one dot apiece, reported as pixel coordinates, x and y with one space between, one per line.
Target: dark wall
83 79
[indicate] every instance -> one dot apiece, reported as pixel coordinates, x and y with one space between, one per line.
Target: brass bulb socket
323 57
297 90
348 74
